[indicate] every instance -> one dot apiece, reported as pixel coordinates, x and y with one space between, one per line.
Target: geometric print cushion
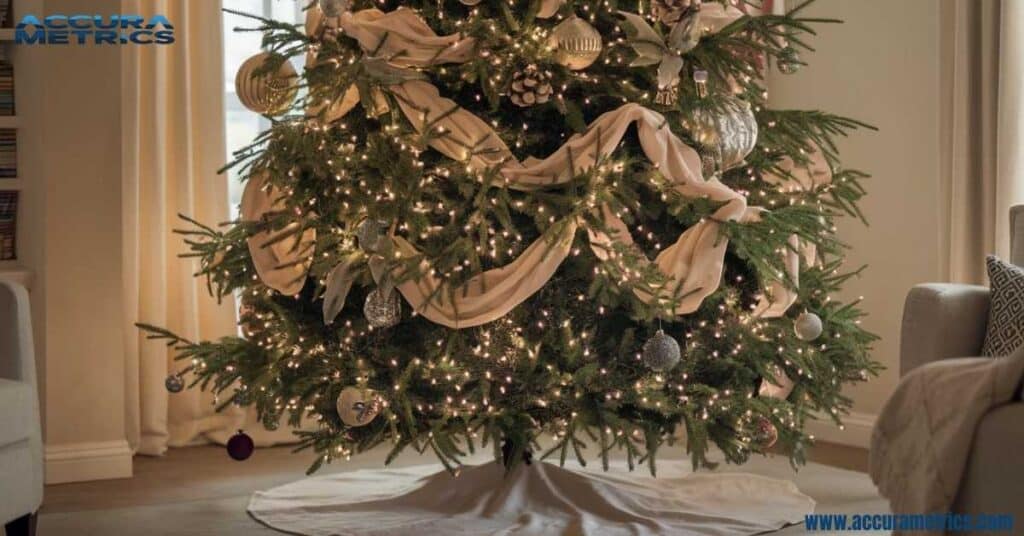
1005 332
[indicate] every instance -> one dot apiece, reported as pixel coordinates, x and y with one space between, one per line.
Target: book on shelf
8 153
6 88
8 224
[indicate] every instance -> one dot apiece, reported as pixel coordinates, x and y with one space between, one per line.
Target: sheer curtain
173 125
980 131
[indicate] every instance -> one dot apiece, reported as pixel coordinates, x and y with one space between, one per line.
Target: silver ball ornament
358 407
174 383
661 352
808 326
577 44
369 232
730 132
382 310
268 93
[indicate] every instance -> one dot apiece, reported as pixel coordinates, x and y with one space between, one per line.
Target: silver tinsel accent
808 326
661 352
382 310
174 383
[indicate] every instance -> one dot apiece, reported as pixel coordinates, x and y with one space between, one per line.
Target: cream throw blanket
923 437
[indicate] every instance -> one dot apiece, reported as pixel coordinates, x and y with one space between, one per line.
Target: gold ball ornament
576 43
731 132
269 93
358 406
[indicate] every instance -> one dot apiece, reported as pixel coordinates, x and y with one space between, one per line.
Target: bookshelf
25 230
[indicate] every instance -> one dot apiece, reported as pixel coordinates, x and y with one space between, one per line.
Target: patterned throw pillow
1005 331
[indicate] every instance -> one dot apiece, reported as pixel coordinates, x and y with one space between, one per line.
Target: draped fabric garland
692 265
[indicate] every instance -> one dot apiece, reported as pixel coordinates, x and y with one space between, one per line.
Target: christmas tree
535 226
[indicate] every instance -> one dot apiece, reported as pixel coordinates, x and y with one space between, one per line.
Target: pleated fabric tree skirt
537 499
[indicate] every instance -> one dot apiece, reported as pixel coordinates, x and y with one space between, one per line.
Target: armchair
21 451
944 320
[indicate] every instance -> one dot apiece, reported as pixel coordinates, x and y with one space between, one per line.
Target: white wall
881 66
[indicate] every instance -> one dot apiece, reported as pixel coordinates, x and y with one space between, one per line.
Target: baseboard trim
856 430
78 462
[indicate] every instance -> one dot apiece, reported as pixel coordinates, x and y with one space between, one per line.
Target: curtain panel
980 127
174 142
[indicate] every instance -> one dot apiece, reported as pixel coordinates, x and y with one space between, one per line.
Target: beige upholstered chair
944 320
21 449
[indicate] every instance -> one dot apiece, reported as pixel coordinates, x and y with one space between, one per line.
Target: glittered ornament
382 310
765 433
788 60
807 326
174 383
334 8
530 86
369 233
661 352
730 132
268 93
240 446
577 44
358 406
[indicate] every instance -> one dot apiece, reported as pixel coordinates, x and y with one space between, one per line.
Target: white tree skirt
538 499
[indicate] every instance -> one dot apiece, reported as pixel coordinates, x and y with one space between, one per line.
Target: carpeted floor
200 491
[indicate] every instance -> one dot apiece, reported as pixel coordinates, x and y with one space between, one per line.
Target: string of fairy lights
570 362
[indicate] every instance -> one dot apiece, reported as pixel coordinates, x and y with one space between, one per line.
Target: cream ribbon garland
693 265
281 262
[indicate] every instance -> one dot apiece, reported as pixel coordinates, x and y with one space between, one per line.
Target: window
241 124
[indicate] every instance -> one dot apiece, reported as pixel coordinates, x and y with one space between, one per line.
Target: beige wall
80 281
881 66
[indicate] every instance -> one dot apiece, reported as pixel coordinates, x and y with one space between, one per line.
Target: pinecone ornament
530 86
671 11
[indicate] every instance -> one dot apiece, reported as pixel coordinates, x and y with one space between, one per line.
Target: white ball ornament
358 407
577 44
807 326
269 93
661 352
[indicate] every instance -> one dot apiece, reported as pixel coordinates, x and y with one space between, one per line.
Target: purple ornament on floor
240 446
